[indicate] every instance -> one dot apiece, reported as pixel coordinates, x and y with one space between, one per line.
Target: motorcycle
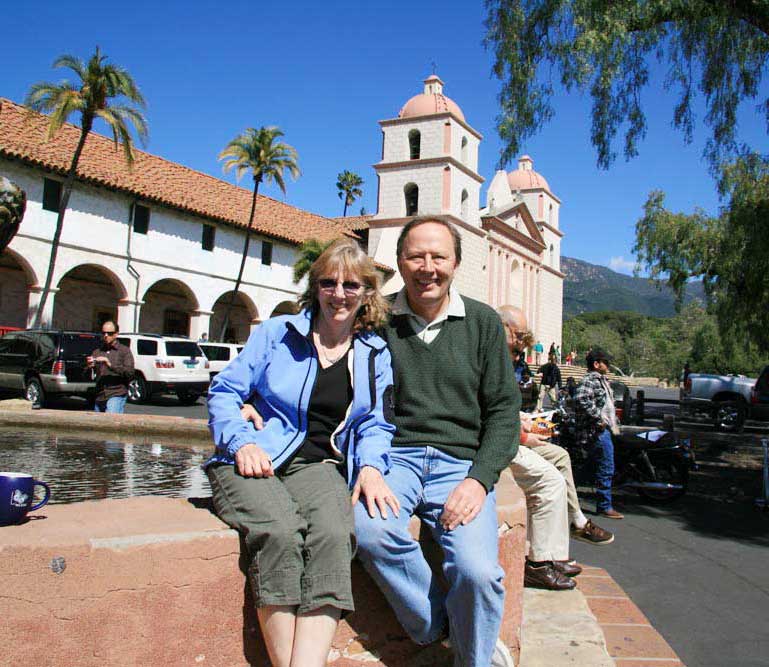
655 464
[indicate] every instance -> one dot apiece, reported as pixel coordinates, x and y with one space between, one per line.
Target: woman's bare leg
313 636
278 626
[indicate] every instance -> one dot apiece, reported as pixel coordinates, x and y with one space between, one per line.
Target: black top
328 405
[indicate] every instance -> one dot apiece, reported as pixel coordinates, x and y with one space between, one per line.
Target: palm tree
94 95
348 183
267 159
309 251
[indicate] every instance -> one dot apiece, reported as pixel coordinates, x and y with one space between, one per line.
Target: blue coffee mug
17 490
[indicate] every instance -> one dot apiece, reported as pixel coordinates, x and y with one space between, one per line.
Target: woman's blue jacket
277 370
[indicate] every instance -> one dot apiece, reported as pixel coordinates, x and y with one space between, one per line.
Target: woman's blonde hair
348 258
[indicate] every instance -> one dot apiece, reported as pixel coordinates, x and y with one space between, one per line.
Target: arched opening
464 204
415 141
88 296
463 151
239 323
550 215
168 306
16 277
285 308
552 255
411 195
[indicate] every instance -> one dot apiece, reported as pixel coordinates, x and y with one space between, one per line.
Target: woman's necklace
330 358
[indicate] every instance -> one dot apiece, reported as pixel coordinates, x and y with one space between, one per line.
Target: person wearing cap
596 420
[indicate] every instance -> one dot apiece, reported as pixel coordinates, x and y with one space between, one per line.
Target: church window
411 194
464 204
209 236
463 154
141 219
415 140
550 215
267 253
51 194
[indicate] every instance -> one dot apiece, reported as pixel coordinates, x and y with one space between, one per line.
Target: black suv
43 363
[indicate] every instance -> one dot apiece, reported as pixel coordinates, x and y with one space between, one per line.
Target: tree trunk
246 245
344 213
65 194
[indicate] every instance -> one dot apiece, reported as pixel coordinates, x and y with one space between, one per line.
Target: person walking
596 421
538 350
551 382
113 366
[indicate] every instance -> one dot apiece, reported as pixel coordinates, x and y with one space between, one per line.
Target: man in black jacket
551 378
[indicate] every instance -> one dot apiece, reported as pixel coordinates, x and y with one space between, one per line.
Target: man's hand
376 494
103 360
253 461
249 413
526 421
536 440
463 504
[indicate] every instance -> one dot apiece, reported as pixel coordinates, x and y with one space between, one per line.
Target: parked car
166 364
219 355
726 399
45 363
759 397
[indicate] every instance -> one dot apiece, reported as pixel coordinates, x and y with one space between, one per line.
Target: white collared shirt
427 331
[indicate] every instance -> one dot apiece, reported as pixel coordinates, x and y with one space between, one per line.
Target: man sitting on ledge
456 414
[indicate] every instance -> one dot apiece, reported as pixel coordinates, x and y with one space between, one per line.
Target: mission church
157 246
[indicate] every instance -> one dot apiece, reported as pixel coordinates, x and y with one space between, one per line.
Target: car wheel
187 397
137 390
729 416
34 392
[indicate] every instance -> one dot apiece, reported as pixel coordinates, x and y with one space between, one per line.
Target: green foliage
104 91
309 251
348 183
660 346
99 93
604 47
260 152
729 252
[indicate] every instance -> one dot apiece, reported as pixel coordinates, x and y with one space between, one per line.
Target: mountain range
590 288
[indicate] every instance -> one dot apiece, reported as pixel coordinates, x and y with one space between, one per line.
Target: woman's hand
371 485
526 421
253 461
249 413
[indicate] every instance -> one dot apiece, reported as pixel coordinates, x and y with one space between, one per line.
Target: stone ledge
102 423
152 580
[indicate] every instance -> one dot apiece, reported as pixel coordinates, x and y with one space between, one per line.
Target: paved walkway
595 625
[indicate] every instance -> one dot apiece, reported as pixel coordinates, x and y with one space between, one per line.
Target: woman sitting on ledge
321 383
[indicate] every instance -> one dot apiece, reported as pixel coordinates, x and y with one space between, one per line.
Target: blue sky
327 72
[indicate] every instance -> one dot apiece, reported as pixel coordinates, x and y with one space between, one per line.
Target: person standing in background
113 365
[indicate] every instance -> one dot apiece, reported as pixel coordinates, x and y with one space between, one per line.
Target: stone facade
510 249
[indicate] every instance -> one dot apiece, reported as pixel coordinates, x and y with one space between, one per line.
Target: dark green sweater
458 393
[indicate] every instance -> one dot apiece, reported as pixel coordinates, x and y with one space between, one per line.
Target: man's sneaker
501 656
592 534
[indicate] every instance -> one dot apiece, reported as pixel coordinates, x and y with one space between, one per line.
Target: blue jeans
602 458
422 478
116 404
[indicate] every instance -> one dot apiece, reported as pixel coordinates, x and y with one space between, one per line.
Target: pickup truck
727 399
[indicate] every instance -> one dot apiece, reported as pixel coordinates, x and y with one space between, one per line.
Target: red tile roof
354 222
153 179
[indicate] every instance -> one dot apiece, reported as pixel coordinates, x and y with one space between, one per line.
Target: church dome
431 101
525 178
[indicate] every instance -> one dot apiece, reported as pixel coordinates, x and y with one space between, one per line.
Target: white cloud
621 265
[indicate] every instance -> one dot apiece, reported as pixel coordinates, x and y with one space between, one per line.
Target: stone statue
13 203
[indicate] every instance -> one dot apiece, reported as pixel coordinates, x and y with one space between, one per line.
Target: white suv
220 354
166 364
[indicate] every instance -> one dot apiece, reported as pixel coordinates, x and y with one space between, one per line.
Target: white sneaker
501 656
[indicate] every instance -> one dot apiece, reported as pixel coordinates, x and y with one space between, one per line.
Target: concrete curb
180 429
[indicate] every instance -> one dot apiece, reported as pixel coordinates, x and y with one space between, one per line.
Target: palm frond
257 150
72 62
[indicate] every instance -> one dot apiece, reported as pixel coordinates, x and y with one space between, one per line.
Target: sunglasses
108 333
350 287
